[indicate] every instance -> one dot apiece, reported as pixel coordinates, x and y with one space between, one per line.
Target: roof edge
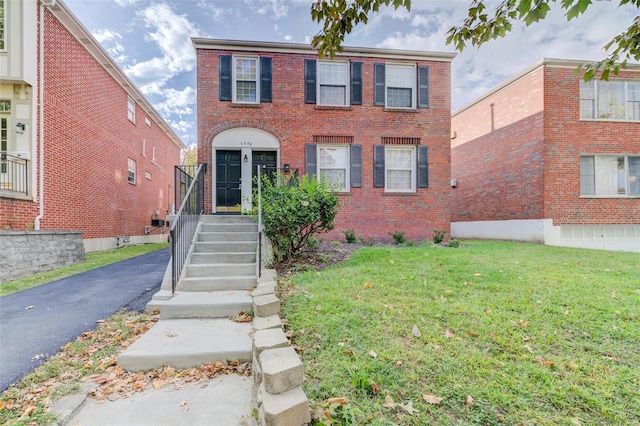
300 48
550 62
62 12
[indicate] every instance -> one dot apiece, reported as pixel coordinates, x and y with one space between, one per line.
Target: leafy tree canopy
480 26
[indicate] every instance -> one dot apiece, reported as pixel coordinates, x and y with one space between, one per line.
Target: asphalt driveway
35 323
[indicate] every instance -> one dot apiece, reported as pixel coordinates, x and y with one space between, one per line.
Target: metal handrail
14 174
185 224
259 250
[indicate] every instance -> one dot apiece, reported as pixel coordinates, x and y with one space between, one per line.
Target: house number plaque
246 143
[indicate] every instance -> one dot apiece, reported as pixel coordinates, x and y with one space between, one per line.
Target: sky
150 41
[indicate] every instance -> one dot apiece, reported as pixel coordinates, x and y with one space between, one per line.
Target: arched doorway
235 153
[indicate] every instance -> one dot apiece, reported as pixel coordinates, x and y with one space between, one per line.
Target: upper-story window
245 79
610 100
610 175
332 83
131 109
403 86
131 171
3 10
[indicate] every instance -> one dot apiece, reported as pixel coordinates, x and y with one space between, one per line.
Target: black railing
14 174
185 223
183 176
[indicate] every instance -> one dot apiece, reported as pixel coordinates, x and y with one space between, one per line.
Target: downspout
36 222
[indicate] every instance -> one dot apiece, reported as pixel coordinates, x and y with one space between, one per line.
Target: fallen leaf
339 401
443 299
374 387
159 384
432 399
391 261
546 363
408 407
469 401
416 331
184 406
388 402
28 411
399 363
30 307
448 334
524 323
572 365
477 274
373 354
576 421
367 284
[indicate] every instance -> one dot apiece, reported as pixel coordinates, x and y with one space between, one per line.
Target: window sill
333 107
409 110
617 197
15 195
611 120
396 194
239 105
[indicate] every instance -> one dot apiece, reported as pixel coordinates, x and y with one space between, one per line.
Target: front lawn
489 333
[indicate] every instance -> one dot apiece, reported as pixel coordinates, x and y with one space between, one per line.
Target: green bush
293 215
454 243
438 236
398 237
350 236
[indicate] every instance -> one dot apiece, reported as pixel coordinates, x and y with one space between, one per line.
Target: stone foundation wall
29 252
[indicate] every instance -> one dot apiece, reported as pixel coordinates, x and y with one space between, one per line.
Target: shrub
294 214
350 236
454 243
398 237
438 236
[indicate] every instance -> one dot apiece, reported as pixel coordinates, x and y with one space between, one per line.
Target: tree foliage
190 156
480 26
293 214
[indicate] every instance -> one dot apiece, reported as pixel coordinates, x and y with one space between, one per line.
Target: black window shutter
309 81
265 79
423 167
356 83
423 87
378 166
378 78
225 77
310 159
356 166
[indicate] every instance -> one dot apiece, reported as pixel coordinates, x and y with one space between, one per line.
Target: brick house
547 157
375 122
82 149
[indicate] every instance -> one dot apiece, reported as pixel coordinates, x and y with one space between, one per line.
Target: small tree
293 214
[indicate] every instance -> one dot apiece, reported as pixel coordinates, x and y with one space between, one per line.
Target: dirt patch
326 254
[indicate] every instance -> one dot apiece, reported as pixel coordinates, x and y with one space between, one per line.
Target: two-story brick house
375 122
547 157
81 148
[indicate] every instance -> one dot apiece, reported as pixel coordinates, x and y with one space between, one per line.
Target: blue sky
150 40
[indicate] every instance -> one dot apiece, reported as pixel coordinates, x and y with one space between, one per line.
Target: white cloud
218 13
177 102
125 3
181 125
106 35
276 8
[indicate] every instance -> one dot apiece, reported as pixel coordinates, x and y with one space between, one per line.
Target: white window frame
599 179
346 85
3 27
414 86
590 101
153 155
131 109
387 167
234 79
347 165
131 171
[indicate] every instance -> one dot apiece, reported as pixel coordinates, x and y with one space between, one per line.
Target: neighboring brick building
96 156
375 121
546 157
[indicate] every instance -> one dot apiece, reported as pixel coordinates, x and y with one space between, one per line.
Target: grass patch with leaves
494 333
94 260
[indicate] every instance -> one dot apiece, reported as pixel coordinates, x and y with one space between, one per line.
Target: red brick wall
369 211
88 140
567 138
497 155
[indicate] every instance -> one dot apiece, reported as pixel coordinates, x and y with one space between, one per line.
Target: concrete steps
205 304
240 282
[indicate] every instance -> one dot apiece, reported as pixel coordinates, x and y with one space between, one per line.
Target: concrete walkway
35 323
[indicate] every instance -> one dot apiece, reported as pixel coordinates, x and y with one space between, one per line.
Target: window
399 169
245 79
332 84
153 155
147 175
147 121
131 171
333 164
5 106
610 175
402 86
4 135
3 12
612 100
131 109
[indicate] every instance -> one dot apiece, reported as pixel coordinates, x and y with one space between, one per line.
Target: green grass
534 334
94 260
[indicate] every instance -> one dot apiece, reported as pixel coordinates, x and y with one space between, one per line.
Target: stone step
200 304
220 270
226 247
266 305
242 282
229 227
272 338
289 408
227 218
227 236
235 257
186 343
